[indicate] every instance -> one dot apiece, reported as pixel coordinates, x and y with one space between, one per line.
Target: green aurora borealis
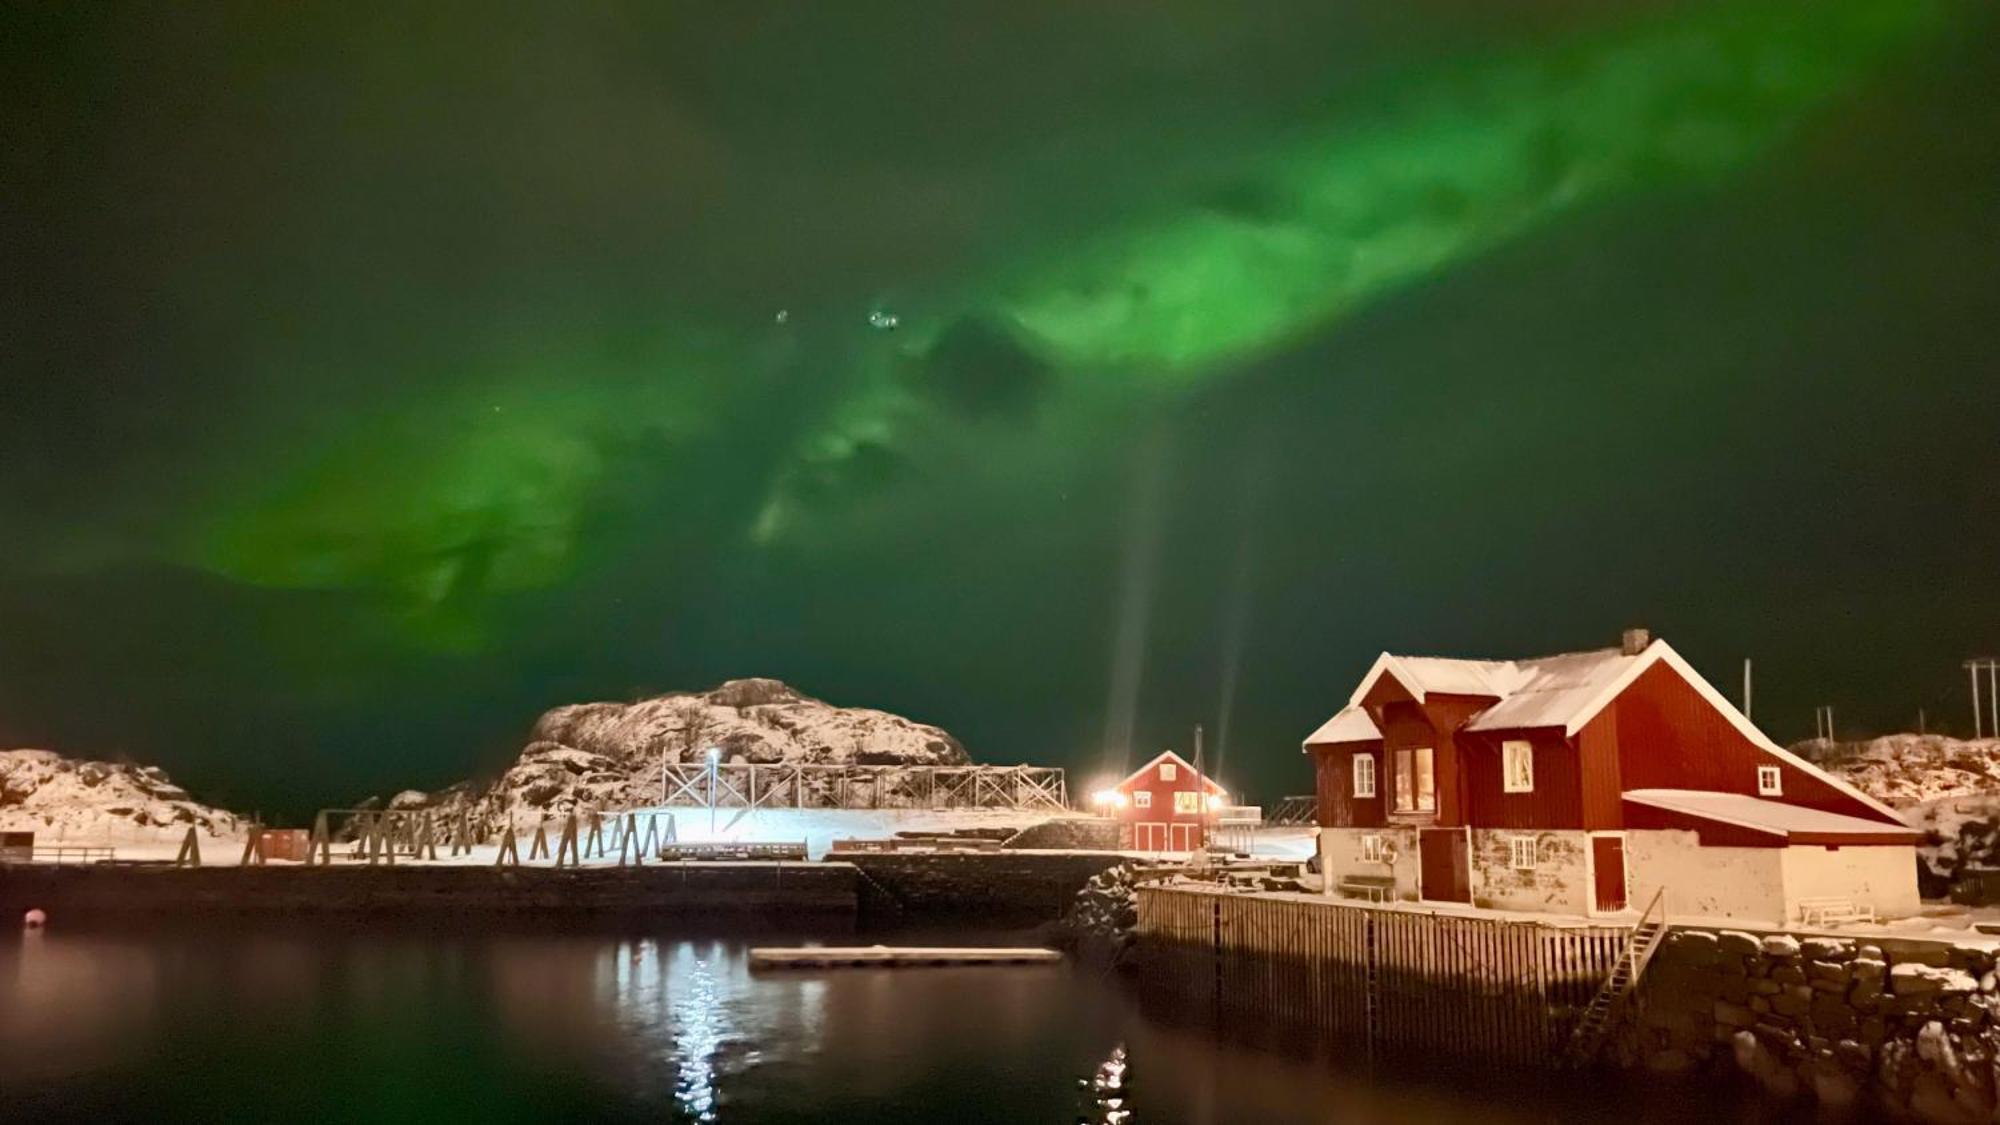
370 400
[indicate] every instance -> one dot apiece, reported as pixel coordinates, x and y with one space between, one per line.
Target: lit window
1770 782
1517 767
1416 781
1521 853
1364 775
1371 849
1142 798
1187 802
1167 771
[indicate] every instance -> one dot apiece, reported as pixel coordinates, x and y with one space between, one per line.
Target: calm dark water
295 1026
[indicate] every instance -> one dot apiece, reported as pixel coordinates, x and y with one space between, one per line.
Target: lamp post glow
714 760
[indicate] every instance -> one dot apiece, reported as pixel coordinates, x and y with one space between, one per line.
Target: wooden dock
882 956
1498 990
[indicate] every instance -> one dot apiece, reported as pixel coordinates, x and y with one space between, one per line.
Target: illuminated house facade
1581 784
1165 805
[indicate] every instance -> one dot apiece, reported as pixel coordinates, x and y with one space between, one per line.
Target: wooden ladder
1640 945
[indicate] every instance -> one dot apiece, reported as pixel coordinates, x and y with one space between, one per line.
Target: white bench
1374 888
1833 912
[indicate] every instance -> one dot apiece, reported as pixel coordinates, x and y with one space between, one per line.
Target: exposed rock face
1907 1027
609 755
1949 787
49 794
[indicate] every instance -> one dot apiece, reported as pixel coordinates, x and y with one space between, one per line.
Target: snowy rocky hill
1950 787
58 797
609 755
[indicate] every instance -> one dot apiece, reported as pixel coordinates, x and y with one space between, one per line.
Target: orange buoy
34 920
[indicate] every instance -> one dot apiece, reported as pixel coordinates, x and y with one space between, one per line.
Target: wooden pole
510 849
566 848
190 853
253 847
540 848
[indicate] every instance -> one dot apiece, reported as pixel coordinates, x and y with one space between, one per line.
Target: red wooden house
1166 804
1584 782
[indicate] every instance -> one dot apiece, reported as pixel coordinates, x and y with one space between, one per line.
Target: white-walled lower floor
1567 871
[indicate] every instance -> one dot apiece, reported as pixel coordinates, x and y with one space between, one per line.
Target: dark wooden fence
1398 979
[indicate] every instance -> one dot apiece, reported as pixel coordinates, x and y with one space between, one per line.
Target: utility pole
1746 687
1823 723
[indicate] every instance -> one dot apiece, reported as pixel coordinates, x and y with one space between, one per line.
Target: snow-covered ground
816 828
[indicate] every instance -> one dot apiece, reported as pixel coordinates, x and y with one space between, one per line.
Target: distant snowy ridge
58 797
1949 787
609 755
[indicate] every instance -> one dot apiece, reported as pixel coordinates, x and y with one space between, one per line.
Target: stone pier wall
1909 1028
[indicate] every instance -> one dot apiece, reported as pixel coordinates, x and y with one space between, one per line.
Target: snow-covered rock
44 792
609 755
1905 770
1948 787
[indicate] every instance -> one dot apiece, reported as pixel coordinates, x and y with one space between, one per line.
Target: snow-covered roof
1208 783
1565 692
1544 691
1775 818
1557 691
1349 724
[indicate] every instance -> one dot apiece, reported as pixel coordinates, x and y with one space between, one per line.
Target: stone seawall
1900 1026
1025 886
741 890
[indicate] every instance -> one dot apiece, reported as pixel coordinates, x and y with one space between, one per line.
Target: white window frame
1167 771
1142 798
1520 849
1770 781
1371 848
1364 775
1187 802
1508 752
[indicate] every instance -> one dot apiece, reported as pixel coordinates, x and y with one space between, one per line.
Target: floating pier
844 957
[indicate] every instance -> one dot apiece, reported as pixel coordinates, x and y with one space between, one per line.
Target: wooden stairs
1588 1037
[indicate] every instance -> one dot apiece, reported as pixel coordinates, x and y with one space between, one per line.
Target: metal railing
755 785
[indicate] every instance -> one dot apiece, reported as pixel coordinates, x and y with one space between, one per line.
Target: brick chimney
1635 641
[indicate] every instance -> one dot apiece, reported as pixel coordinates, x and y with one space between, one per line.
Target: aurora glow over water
375 384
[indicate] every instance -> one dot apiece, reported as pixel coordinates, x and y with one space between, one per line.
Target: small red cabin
1166 803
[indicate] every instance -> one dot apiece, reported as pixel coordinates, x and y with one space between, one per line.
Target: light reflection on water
531 1027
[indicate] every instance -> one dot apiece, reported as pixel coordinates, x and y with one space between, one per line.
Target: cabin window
1371 849
1517 767
1142 798
1186 802
1770 782
1416 781
1521 853
1167 771
1364 775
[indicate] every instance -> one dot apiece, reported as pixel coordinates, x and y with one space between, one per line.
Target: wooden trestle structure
755 785
381 836
1405 981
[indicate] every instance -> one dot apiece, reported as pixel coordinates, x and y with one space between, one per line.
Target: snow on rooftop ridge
1746 811
1349 724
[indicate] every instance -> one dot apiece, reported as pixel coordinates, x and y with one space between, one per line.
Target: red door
1446 865
1607 855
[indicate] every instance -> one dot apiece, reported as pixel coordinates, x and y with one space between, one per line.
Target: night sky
374 378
